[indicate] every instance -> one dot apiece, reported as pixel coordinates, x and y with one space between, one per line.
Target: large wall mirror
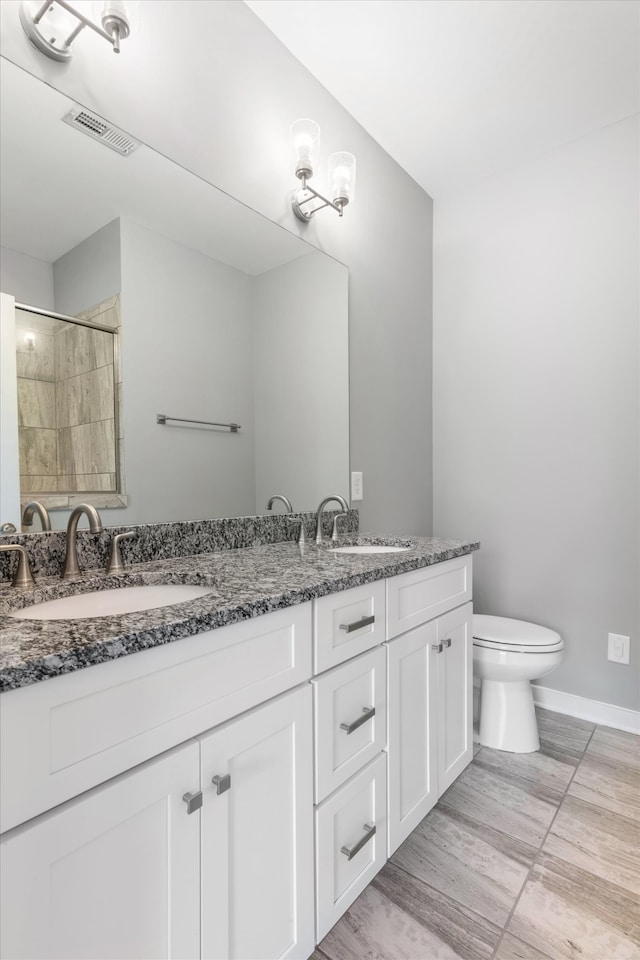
219 315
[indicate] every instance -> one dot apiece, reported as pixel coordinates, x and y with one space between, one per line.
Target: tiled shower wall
35 360
66 407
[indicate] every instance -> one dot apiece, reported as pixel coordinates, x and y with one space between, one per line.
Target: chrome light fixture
54 25
305 201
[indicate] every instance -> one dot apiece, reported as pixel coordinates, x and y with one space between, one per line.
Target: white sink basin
370 548
105 603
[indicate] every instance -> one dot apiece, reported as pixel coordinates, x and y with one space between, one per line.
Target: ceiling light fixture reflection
53 26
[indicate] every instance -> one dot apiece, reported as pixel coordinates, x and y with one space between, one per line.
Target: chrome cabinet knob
193 801
222 783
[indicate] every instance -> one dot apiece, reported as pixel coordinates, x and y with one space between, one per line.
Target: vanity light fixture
305 201
54 25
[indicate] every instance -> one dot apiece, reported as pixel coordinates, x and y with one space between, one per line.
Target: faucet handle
116 564
334 529
302 537
22 577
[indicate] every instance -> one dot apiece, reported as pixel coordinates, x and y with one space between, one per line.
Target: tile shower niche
68 383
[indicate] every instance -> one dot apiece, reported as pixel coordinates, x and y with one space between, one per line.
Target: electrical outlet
356 485
618 648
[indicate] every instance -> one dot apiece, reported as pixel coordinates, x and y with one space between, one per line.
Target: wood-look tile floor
526 857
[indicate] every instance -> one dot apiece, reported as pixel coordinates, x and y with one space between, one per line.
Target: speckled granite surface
244 583
163 541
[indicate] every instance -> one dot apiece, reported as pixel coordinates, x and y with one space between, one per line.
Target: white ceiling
459 90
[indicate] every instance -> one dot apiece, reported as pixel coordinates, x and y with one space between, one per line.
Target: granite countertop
244 583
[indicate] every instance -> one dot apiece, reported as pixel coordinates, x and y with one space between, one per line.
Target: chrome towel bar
162 418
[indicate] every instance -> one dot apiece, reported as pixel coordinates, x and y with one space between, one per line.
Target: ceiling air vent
99 129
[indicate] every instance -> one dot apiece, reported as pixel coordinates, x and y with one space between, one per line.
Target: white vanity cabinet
231 794
257 833
430 689
113 874
154 862
143 867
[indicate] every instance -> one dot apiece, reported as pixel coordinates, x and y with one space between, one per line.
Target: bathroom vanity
222 777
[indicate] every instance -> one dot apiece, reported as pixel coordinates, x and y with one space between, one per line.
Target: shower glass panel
67 411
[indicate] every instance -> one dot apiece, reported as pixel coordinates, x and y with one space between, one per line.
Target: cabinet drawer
420 595
81 729
350 719
348 851
346 624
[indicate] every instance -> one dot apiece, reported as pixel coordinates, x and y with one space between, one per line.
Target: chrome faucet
23 576
285 500
71 568
34 506
345 507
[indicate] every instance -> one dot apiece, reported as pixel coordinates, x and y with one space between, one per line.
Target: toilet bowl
507 656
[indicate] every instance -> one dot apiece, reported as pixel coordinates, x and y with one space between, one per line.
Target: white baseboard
608 714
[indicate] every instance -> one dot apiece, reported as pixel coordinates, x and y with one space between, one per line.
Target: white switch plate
356 485
618 648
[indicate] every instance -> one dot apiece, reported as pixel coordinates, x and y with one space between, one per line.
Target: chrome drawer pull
437 647
367 713
350 852
358 624
193 801
447 642
222 783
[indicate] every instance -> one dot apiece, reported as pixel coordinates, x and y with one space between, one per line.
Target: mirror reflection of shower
66 382
226 317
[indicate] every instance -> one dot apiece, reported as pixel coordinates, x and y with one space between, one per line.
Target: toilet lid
516 633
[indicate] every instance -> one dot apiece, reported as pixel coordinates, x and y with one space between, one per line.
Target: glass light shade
127 11
305 145
342 177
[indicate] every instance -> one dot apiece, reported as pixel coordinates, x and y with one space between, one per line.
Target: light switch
618 648
356 486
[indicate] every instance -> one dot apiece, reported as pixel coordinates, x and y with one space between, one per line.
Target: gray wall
536 398
27 279
89 273
216 91
186 352
301 381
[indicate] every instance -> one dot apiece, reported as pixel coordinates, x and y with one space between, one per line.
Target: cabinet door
412 739
257 833
455 694
111 874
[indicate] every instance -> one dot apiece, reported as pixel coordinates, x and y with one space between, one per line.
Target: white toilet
507 655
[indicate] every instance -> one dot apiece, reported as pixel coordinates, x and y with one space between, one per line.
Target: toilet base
507 716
